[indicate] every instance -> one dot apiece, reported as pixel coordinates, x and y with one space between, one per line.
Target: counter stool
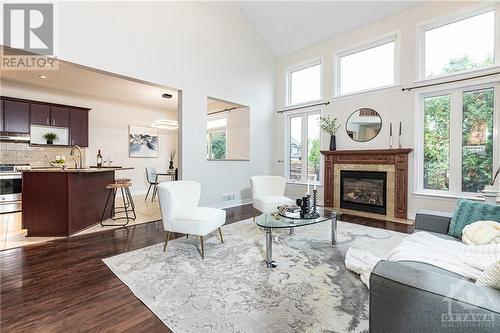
127 191
128 203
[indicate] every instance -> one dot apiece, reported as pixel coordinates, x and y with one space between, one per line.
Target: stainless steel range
10 187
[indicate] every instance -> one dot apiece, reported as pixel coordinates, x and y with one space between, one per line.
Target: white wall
108 128
238 134
204 49
393 105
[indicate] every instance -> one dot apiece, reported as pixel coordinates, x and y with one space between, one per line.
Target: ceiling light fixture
41 76
166 124
168 96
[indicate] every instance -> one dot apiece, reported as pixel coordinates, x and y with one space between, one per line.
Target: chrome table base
270 263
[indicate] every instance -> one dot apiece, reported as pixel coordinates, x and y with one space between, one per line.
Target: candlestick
400 137
390 135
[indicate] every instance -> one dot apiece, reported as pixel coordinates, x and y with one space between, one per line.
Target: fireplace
364 191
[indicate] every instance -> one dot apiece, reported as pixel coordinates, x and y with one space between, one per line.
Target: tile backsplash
36 156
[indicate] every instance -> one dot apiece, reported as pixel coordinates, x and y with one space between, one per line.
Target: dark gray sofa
417 297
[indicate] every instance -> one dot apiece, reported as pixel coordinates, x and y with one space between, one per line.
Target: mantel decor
393 161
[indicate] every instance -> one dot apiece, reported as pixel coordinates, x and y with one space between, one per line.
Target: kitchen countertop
84 170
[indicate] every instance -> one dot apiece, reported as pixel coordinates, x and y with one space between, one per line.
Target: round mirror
363 124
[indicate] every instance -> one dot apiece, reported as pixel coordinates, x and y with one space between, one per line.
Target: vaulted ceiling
288 26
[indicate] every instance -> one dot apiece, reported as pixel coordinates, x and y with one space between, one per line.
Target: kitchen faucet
72 155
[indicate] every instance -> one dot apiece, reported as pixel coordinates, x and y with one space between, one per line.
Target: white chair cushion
199 221
270 203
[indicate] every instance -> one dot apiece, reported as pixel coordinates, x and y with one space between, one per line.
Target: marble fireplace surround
390 170
392 161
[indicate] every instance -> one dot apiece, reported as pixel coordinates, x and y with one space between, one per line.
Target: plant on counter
329 125
50 137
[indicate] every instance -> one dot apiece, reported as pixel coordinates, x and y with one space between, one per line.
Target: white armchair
180 212
268 192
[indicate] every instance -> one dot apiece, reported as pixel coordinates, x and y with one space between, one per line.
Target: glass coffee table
273 220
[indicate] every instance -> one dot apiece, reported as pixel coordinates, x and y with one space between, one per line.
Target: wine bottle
99 159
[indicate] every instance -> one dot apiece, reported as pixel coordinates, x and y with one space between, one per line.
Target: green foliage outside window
314 156
436 142
218 145
477 135
477 139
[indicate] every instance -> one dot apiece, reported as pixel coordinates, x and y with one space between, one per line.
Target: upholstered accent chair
268 192
180 212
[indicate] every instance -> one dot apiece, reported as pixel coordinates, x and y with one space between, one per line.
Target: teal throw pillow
468 211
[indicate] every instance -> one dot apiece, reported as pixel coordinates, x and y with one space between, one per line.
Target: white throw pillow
491 276
481 233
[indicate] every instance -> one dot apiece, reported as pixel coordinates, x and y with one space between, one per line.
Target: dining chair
152 178
180 212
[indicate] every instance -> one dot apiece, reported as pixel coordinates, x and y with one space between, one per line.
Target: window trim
304 114
298 67
381 40
460 15
456 103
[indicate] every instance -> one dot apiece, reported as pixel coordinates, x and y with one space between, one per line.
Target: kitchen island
61 202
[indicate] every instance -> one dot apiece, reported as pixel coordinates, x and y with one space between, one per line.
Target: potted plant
50 137
329 125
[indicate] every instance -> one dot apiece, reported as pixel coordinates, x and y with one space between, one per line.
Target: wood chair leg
221 238
202 248
166 241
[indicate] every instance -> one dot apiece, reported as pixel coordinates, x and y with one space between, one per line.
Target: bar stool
128 203
127 191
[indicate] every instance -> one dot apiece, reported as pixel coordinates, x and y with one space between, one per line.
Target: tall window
304 83
303 143
477 139
459 45
369 67
216 138
458 145
437 142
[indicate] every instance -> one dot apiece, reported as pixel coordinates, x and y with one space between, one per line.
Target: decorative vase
171 165
333 143
50 142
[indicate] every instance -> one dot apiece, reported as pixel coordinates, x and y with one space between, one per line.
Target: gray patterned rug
232 291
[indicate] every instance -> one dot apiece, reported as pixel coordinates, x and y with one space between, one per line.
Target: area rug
232 291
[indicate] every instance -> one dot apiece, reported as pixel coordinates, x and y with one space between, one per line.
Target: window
477 139
369 67
437 142
459 150
304 83
303 146
459 46
216 138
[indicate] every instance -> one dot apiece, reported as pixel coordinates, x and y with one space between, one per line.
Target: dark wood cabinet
59 116
16 117
79 127
40 114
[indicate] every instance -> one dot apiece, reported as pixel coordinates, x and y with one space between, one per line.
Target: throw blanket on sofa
481 232
466 260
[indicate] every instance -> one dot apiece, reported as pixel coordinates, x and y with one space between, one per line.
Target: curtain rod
303 107
451 81
225 110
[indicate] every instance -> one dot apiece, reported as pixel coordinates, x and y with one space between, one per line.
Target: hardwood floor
63 285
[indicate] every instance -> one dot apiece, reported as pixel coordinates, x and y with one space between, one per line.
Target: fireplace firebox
364 191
